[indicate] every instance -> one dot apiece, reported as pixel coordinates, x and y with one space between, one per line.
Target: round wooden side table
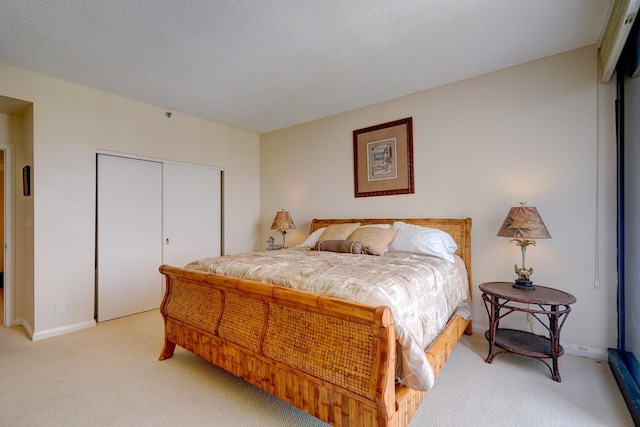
502 297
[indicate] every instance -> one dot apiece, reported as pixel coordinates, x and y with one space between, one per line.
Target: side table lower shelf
524 343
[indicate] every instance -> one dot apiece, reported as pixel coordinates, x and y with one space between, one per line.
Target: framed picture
26 181
383 159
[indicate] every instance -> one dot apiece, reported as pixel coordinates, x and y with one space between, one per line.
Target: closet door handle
167 241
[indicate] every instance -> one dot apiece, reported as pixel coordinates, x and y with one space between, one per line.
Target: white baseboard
581 350
61 330
569 348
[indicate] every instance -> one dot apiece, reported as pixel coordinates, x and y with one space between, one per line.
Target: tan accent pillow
344 246
338 231
375 238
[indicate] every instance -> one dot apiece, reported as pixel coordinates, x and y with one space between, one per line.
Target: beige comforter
421 291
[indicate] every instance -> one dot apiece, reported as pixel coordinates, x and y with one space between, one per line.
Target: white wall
72 122
541 132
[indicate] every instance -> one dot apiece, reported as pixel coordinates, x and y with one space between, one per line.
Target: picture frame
26 181
383 159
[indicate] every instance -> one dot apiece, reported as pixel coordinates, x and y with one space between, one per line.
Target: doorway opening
16 138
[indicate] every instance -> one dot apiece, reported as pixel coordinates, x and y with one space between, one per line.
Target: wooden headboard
458 228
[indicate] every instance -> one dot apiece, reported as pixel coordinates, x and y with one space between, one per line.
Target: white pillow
423 240
312 239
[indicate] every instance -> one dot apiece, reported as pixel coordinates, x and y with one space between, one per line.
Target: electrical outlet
61 307
596 284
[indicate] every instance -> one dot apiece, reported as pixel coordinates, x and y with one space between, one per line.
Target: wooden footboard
332 358
292 344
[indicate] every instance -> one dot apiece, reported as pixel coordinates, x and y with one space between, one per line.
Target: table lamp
523 224
283 222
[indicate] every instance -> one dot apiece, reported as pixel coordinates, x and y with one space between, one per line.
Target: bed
291 343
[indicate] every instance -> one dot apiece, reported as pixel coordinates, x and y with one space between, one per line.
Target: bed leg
167 350
469 329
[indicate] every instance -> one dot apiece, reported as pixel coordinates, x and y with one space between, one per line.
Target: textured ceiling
263 65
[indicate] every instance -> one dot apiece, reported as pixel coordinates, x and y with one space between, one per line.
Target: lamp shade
282 221
524 222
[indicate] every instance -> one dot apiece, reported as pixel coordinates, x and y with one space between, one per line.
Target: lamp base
526 285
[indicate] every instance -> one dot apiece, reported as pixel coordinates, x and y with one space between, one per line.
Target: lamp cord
530 320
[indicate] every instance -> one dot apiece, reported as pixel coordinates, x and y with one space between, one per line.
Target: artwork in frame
383 159
26 181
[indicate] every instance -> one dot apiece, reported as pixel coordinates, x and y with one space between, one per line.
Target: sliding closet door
129 236
192 210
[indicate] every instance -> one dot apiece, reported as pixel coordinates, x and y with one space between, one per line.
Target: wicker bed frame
252 330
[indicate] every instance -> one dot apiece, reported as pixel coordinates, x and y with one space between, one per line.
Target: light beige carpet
110 376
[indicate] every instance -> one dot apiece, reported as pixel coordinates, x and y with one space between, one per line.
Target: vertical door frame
8 234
